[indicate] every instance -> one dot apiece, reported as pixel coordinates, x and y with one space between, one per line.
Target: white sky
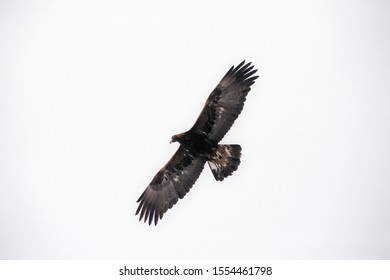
91 92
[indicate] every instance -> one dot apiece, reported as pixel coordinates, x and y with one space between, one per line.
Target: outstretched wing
172 182
225 103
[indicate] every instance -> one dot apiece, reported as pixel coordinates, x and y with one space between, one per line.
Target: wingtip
241 64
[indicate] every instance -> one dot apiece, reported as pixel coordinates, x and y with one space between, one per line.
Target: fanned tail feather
225 161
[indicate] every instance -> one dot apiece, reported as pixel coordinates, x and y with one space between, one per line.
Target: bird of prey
199 145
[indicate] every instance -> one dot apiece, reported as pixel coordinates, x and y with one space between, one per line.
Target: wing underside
226 102
169 185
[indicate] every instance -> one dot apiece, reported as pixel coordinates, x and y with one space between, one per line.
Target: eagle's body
199 145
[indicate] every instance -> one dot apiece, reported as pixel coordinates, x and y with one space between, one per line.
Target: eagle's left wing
172 182
225 102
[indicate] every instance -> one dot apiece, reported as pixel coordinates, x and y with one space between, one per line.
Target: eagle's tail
225 161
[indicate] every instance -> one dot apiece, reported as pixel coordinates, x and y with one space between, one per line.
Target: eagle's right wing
172 182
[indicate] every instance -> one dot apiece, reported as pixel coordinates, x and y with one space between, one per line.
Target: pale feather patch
214 166
222 155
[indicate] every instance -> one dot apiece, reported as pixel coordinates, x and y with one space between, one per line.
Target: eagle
199 145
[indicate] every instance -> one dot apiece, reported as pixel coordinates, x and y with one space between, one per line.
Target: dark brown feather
225 102
169 185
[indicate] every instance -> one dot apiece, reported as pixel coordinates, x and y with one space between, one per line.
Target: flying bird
199 145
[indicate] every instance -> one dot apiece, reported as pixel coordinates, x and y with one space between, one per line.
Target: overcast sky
91 92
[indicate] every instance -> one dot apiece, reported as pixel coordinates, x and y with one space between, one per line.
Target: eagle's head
178 137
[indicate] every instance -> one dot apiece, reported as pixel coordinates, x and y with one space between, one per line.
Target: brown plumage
200 145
